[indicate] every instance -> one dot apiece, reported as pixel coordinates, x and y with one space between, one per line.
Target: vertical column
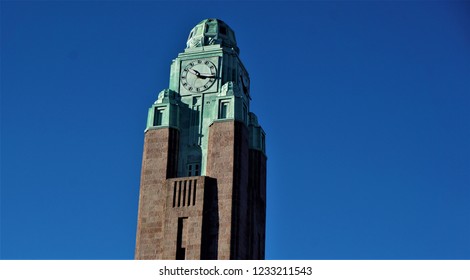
227 162
158 162
257 204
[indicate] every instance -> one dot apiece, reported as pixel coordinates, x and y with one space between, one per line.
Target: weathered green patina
208 83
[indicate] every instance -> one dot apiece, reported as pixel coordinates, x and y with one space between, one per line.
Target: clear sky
366 106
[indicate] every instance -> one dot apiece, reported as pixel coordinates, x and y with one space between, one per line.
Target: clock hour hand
195 72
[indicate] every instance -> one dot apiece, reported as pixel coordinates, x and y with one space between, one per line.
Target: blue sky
365 105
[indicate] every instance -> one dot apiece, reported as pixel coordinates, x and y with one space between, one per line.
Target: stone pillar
257 204
227 162
159 162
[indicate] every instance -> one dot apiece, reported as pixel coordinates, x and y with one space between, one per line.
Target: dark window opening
193 169
190 170
184 193
223 107
180 250
174 195
194 194
158 116
179 194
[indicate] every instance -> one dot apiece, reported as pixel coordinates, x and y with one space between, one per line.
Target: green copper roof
212 31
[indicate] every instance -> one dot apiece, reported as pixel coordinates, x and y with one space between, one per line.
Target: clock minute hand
206 76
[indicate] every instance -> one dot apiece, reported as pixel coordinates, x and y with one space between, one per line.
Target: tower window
194 169
223 108
194 122
158 116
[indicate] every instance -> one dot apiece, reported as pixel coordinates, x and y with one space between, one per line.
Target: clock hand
195 72
206 76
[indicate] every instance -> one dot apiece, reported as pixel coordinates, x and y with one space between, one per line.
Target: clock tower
203 179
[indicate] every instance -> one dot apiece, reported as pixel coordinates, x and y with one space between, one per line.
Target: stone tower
203 180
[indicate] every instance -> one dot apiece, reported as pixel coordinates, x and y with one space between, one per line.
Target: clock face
198 75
